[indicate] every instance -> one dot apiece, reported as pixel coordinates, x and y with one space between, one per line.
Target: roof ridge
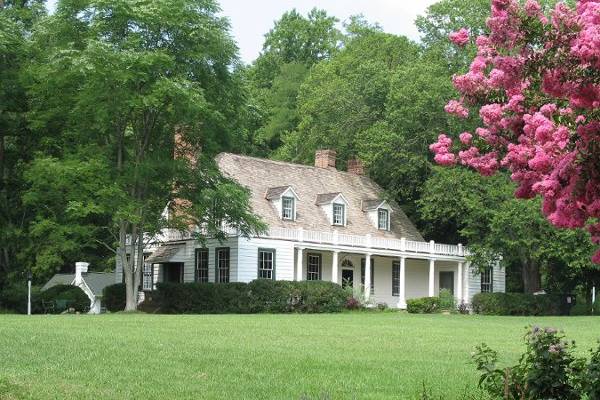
293 164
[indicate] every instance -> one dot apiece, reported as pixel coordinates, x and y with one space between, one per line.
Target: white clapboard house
324 224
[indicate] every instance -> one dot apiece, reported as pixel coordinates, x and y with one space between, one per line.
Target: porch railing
336 238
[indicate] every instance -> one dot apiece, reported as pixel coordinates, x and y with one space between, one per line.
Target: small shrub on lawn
255 297
423 305
113 297
547 370
75 297
516 304
353 303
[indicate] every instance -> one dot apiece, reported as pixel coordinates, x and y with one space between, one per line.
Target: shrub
516 304
255 297
423 305
547 370
113 297
447 301
352 303
269 296
73 296
14 298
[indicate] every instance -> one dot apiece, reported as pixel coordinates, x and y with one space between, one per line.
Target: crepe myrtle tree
536 83
133 75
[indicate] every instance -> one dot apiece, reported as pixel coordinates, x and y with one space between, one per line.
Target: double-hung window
146 274
222 264
266 264
287 208
338 214
362 274
201 265
313 269
487 280
395 278
383 219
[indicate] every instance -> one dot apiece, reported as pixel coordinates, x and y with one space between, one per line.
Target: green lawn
344 356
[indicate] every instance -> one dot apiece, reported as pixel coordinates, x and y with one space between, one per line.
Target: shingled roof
259 175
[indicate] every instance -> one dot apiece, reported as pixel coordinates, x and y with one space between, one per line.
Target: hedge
257 296
73 295
517 304
14 298
113 297
423 305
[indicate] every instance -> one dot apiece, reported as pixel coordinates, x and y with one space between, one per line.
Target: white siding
248 258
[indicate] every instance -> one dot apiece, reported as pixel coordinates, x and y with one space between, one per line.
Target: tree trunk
530 273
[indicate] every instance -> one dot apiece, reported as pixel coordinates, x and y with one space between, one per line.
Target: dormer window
339 212
283 199
334 205
288 207
383 219
378 212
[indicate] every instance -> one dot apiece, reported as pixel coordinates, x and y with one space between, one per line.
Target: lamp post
29 292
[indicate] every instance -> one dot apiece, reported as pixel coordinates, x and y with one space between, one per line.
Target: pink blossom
539 98
460 37
465 138
456 108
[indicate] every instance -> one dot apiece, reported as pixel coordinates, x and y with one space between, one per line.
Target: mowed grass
343 356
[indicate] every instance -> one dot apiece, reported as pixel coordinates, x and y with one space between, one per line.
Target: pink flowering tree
536 84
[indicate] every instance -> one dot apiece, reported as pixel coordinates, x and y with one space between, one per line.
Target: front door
173 272
447 280
347 277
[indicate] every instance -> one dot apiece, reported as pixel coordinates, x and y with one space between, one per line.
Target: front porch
392 279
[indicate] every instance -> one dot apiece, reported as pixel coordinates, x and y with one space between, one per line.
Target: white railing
336 238
366 241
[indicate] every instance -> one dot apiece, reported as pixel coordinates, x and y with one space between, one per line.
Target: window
338 214
147 274
396 278
313 269
487 280
266 264
383 217
287 208
362 274
222 265
201 265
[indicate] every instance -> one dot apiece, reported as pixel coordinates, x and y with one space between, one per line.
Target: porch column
299 264
431 277
335 267
367 287
459 289
402 297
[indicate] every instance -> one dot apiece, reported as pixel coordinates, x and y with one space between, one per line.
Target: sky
251 19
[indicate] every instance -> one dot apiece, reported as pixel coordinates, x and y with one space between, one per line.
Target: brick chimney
356 167
325 158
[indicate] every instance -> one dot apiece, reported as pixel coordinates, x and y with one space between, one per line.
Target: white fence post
432 246
403 244
460 250
301 234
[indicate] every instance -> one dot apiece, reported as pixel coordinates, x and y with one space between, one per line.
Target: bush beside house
255 297
423 305
517 304
113 297
65 297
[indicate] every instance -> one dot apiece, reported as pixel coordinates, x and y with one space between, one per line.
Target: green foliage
72 296
113 297
591 378
518 304
547 370
13 297
447 300
255 297
423 305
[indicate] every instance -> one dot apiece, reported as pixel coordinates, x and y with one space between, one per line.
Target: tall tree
486 216
17 145
134 76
